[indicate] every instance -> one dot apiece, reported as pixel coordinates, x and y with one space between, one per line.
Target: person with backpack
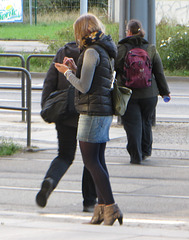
139 67
66 134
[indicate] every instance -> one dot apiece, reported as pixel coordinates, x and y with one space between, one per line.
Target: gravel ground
170 142
167 135
171 133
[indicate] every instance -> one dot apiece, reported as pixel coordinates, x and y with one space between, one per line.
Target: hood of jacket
108 44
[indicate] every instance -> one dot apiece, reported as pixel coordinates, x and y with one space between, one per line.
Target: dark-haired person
137 120
66 134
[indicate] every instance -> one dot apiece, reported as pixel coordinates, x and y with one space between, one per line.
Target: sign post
83 6
30 10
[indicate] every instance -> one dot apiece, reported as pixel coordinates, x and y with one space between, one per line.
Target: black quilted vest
97 101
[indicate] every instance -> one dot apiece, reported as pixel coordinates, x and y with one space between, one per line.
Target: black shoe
136 163
88 208
145 157
43 194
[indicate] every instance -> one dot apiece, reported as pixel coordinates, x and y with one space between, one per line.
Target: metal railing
26 109
22 80
37 56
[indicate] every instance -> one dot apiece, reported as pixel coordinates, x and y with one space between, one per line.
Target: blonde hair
135 27
86 24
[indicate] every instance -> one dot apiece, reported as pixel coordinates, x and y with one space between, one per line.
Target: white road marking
79 191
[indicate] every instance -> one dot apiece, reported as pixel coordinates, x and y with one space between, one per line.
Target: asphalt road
177 109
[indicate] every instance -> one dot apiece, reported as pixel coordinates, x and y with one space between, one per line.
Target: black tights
94 161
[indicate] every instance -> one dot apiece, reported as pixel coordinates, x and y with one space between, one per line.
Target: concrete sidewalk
22 46
157 210
48 230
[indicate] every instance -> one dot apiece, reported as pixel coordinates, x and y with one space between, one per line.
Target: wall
177 10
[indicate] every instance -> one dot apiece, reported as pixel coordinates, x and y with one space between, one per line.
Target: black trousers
67 144
137 122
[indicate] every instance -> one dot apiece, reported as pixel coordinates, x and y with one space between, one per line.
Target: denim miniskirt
94 129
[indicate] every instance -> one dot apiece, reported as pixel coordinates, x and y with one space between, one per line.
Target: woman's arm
157 69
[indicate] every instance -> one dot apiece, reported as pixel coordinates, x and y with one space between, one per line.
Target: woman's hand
70 63
61 67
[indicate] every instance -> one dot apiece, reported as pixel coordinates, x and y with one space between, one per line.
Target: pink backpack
137 69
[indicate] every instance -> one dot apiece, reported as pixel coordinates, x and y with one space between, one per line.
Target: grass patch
28 32
48 26
7 147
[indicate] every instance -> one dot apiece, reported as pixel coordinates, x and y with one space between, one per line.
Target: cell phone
53 62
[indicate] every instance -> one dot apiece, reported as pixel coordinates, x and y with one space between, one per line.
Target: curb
177 78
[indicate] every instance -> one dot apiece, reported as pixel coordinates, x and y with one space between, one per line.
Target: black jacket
159 84
55 80
98 101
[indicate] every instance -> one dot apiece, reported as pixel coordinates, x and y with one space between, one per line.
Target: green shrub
7 147
172 42
175 50
64 35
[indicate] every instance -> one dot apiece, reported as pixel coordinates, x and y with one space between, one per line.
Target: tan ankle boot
111 214
98 215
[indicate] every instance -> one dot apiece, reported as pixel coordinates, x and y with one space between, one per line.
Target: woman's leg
132 122
103 163
147 108
91 157
94 160
66 152
102 156
88 191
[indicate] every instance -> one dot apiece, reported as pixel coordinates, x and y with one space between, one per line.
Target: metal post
128 11
152 36
30 11
113 11
23 90
151 21
143 10
110 10
28 95
125 6
122 17
83 6
139 10
35 12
